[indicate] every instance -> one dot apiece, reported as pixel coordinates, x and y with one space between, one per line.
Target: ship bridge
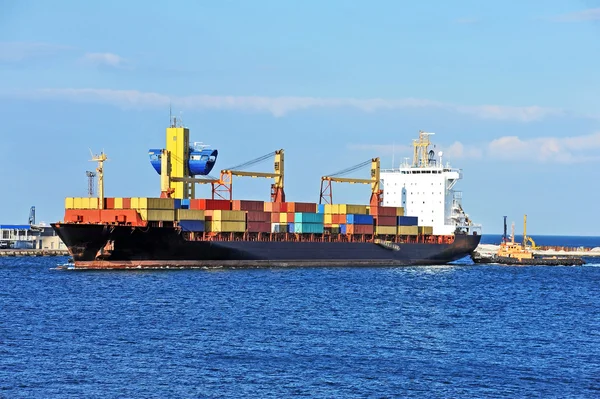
425 188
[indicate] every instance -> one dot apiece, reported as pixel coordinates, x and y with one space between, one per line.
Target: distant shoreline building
25 236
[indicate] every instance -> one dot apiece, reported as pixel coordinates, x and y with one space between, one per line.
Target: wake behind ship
414 217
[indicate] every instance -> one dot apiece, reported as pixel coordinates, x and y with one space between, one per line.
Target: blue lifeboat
200 162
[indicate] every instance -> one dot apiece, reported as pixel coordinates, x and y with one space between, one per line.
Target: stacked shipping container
221 216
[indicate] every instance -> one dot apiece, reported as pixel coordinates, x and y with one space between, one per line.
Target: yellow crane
527 239
326 194
100 158
224 188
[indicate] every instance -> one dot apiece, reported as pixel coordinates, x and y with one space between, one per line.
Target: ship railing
421 169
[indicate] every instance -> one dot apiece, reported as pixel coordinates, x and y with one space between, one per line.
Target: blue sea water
471 331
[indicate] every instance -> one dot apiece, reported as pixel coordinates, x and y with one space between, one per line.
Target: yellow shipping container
160 203
408 230
283 218
70 203
389 230
346 209
231 216
157 215
399 211
425 229
78 202
224 226
118 203
93 203
189 214
328 209
134 202
328 218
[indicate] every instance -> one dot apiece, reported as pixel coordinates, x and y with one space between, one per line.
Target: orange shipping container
275 217
126 203
82 215
268 207
338 219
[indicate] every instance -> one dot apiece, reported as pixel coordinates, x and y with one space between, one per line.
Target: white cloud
108 59
591 14
458 150
20 51
574 149
280 106
565 150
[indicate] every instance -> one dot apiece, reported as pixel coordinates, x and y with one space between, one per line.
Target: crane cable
350 169
252 162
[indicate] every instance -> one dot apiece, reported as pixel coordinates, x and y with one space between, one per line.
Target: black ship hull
98 246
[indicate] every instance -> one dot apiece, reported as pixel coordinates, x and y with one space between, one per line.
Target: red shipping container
259 227
109 203
126 203
359 229
210 204
304 207
275 217
383 211
291 217
244 205
386 220
280 207
257 216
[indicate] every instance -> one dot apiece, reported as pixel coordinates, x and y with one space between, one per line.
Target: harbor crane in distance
527 239
90 175
326 194
223 189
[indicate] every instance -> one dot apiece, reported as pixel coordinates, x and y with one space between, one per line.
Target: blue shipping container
290 228
321 208
343 228
177 203
185 203
192 225
304 217
408 221
308 228
359 219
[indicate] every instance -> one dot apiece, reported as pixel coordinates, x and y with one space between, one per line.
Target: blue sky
510 89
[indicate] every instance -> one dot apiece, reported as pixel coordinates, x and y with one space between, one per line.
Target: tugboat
519 254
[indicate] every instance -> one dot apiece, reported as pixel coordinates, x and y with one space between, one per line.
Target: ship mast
100 169
421 149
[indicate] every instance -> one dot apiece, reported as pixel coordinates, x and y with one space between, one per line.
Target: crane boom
224 188
376 193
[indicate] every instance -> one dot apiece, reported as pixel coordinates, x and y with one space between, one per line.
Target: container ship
414 217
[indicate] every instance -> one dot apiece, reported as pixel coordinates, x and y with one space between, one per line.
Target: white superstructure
425 188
